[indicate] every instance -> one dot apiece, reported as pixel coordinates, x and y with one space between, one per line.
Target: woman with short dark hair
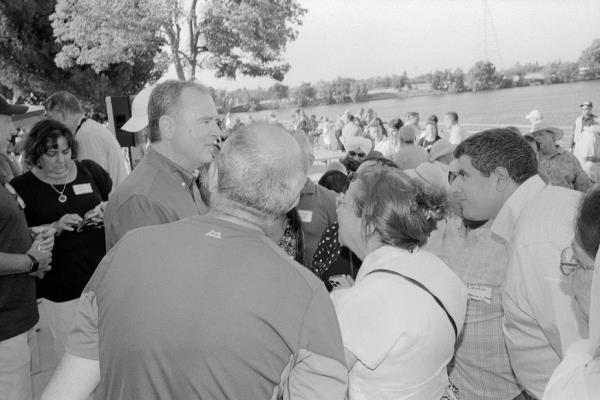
67 195
401 319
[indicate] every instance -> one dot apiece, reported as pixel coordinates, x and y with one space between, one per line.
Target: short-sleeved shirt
410 156
75 255
317 211
158 191
18 307
402 338
98 144
207 308
563 169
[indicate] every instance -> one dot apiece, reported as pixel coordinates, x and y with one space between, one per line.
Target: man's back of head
64 107
261 171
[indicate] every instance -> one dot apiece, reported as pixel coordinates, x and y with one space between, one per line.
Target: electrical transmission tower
490 49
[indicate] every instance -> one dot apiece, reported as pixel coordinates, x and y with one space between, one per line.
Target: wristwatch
35 264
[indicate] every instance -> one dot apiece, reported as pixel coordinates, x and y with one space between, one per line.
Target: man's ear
503 178
166 124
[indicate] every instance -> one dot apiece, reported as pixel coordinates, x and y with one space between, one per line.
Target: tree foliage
28 51
590 60
482 76
231 37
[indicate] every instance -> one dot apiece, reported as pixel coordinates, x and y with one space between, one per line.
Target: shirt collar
506 220
309 187
154 157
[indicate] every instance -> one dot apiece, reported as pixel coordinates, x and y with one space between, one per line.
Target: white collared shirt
402 338
540 317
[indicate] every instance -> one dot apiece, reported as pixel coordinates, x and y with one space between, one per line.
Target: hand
67 222
45 235
97 213
41 272
42 256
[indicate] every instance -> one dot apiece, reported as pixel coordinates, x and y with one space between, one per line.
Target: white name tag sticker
480 293
305 216
82 188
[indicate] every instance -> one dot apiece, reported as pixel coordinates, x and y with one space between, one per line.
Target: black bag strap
419 284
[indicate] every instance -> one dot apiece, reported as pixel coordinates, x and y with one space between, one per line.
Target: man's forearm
75 378
14 263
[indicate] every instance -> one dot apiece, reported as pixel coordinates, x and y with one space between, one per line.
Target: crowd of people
426 263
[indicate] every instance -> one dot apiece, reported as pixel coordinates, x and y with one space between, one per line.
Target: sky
365 38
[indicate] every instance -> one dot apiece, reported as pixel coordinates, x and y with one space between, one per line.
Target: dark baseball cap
7 109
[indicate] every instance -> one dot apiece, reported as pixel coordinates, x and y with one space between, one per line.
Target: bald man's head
262 169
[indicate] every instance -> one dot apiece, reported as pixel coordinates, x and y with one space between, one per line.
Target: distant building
535 78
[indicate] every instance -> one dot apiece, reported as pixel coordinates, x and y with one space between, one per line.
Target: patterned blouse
563 169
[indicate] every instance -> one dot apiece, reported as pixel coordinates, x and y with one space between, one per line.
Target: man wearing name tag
497 178
481 367
316 207
162 188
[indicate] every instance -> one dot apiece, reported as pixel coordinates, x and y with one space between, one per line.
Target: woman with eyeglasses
67 196
402 317
578 375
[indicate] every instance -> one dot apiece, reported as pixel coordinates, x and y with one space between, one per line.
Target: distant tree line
482 76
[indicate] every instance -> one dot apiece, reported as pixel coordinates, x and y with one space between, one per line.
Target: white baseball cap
139 111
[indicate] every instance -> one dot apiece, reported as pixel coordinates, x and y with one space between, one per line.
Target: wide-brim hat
430 174
556 132
440 148
9 109
139 111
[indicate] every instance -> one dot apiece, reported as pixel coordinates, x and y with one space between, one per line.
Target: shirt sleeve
317 370
101 178
83 337
582 180
135 212
368 304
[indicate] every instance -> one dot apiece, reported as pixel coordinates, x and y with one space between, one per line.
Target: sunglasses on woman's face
355 154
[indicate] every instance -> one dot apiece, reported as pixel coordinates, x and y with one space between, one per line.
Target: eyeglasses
354 154
568 262
341 200
452 177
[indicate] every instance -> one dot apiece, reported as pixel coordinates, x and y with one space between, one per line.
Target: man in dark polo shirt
18 258
162 188
210 307
316 207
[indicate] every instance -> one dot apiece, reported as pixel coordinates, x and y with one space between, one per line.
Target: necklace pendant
62 198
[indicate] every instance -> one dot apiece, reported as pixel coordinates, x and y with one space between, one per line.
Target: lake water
558 103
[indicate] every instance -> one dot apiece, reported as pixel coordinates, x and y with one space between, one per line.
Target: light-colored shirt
456 135
481 368
158 191
402 338
410 156
98 144
576 377
588 145
540 316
